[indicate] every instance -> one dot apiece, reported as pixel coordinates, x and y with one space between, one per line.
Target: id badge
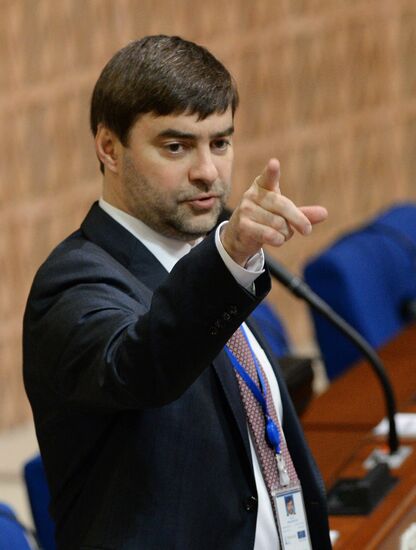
291 518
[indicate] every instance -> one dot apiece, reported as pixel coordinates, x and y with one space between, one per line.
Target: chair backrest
39 498
12 533
272 328
367 277
297 371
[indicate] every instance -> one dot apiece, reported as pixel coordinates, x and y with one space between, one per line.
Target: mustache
217 191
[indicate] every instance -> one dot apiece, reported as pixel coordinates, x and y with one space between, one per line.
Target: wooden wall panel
327 86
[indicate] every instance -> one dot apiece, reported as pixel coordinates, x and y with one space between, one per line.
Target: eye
175 147
221 144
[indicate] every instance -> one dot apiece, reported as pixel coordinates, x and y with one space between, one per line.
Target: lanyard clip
283 474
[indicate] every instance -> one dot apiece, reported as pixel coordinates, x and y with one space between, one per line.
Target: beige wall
327 86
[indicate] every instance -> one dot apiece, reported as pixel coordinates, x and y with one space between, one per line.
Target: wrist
239 256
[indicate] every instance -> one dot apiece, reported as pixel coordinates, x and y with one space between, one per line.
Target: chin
203 227
198 226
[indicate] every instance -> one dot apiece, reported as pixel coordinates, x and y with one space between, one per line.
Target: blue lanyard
260 394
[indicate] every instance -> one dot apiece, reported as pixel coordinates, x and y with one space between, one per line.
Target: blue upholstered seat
272 328
12 533
367 276
39 498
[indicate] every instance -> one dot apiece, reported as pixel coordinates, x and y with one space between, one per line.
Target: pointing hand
266 217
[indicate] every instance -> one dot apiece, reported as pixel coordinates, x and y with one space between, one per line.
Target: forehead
152 125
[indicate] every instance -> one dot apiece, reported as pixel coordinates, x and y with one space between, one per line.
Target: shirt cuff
245 276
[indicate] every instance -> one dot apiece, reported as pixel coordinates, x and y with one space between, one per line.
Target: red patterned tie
241 350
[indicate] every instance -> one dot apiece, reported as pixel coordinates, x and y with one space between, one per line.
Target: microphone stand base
382 455
359 496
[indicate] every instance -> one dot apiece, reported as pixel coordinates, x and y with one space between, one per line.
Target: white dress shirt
168 251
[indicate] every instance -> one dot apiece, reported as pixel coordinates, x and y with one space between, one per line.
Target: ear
107 147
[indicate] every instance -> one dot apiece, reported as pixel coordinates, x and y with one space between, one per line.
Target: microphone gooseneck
300 289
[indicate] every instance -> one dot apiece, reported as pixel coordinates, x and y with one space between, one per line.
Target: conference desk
383 527
355 402
338 427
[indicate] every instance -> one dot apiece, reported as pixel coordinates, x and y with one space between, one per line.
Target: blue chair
367 276
297 371
39 498
13 535
272 328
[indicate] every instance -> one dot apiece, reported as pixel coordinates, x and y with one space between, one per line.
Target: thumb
315 214
269 178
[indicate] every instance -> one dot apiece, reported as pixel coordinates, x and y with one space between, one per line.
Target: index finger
269 178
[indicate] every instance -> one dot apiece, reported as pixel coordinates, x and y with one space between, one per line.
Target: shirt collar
167 250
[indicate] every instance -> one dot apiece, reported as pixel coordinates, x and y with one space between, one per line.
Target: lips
203 202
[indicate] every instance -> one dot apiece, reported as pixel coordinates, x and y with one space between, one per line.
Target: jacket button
251 504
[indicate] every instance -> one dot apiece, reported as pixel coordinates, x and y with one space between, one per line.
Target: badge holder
287 497
291 518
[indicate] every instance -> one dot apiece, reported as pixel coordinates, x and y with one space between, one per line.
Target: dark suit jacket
136 406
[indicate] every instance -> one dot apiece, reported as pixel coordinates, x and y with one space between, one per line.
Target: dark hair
161 75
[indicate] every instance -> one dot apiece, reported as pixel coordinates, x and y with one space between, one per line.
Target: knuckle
245 203
273 237
249 193
283 205
245 226
280 239
279 223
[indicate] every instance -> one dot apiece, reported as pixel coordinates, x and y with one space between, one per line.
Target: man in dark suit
138 412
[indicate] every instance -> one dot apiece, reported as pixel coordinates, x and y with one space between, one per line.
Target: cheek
155 172
169 176
226 169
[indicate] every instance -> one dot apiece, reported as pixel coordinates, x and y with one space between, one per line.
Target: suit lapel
101 229
229 384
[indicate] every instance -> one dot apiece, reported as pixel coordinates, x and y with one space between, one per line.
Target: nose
203 168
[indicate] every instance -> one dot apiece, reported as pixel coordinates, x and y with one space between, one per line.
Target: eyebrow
172 133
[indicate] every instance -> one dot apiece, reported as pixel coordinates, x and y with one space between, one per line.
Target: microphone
301 290
350 495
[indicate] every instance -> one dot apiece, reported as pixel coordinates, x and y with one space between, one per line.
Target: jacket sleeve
98 338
